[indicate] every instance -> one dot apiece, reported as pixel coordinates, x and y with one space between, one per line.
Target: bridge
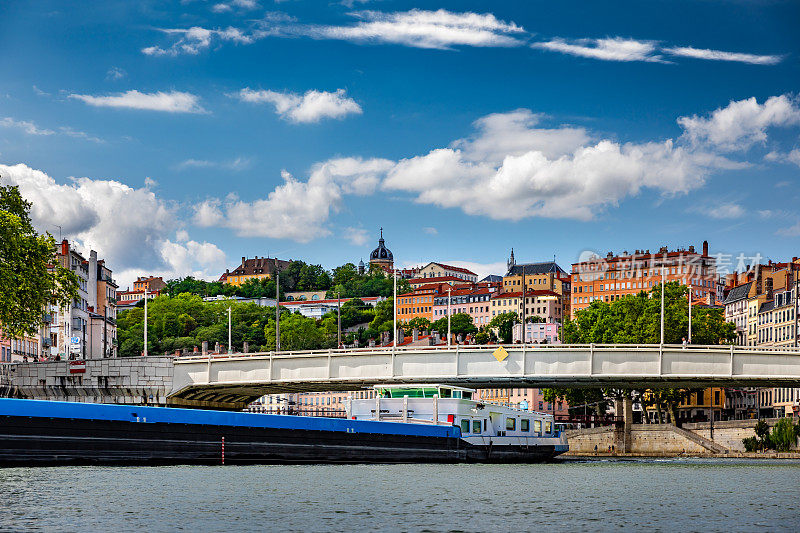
236 379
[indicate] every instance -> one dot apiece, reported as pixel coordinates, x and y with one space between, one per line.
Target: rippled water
668 495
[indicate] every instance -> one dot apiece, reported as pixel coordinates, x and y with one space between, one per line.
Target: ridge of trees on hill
298 276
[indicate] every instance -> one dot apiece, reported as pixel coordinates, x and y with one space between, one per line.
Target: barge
405 424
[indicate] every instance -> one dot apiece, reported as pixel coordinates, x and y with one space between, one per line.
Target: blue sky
176 137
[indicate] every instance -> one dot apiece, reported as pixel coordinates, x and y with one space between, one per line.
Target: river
667 495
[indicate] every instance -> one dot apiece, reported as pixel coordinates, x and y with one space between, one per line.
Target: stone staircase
708 444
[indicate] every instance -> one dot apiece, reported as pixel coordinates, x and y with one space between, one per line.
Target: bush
751 444
482 338
784 435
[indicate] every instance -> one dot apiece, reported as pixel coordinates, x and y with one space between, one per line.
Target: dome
381 253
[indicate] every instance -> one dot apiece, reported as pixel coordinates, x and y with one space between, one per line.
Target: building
381 256
416 283
440 270
545 304
417 303
263 302
316 309
538 333
256 268
149 287
87 326
16 349
296 296
542 276
526 399
614 276
473 299
737 309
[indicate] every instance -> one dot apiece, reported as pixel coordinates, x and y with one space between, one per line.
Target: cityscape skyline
202 132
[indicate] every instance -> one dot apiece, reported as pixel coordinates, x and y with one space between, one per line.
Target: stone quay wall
729 433
124 380
646 440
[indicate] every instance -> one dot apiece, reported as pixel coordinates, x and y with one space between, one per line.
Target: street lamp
449 298
230 347
338 321
145 321
277 308
394 309
663 282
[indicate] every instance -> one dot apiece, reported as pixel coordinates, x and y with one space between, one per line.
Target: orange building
614 276
256 268
417 303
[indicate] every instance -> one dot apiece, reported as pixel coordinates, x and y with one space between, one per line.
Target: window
476 426
525 425
465 426
511 424
548 427
537 426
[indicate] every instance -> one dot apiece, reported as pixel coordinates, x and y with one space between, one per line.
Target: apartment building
256 268
439 270
473 300
527 399
545 304
614 276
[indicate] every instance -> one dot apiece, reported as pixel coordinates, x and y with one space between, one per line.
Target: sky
176 137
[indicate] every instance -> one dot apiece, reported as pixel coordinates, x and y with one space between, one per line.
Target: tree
589 398
784 435
762 434
461 324
419 322
482 338
30 276
504 322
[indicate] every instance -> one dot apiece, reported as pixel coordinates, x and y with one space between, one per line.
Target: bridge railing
493 347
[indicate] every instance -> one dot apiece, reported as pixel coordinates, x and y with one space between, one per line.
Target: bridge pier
623 407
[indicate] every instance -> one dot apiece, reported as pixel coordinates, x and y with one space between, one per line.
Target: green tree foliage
593 399
30 277
419 322
784 435
636 319
185 321
460 324
504 322
348 283
482 338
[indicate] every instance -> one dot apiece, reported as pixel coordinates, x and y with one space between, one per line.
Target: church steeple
511 261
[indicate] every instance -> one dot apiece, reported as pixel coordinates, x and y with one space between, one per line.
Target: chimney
243 259
64 247
768 284
705 248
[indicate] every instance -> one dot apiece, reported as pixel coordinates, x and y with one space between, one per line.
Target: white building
439 270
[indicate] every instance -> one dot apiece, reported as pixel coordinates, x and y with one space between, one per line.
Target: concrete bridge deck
239 378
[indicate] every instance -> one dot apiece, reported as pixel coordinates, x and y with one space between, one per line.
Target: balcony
47 318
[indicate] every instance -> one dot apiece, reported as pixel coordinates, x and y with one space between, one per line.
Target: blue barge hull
34 432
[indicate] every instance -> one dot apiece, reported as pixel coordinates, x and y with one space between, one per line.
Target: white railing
491 348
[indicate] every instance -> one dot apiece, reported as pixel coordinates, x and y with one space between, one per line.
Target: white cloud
356 236
310 107
791 231
128 227
28 127
240 4
430 230
295 209
196 39
719 55
170 102
416 28
741 123
607 49
32 129
237 164
422 29
721 211
794 156
115 73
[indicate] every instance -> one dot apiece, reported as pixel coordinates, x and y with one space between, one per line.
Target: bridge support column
623 408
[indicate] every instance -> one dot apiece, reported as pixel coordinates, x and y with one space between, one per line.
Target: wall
126 380
728 433
646 439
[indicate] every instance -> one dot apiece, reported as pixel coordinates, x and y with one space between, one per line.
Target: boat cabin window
465 426
467 395
456 394
484 424
524 425
537 426
476 426
445 393
548 427
511 424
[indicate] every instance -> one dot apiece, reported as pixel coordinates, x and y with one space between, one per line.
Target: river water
662 495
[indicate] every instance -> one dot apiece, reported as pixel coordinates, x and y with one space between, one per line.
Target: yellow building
256 268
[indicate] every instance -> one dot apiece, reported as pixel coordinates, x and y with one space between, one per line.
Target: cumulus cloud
243 5
794 156
719 55
296 210
115 73
741 123
128 227
607 49
170 102
310 107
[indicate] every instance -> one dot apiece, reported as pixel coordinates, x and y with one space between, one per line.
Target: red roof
329 301
455 268
440 279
